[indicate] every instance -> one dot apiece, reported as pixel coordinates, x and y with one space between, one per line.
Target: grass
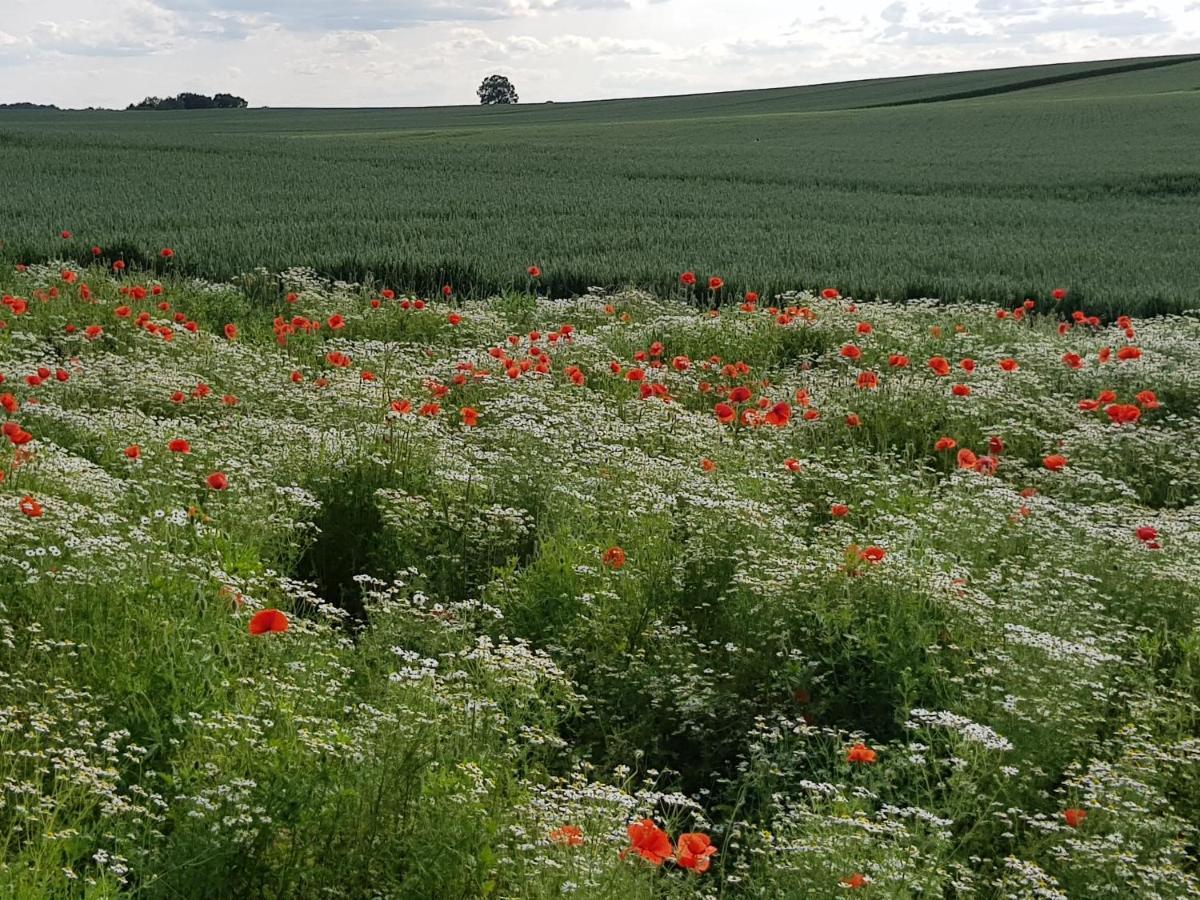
1079 176
469 668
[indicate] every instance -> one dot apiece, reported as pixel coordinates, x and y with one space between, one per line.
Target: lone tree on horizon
496 89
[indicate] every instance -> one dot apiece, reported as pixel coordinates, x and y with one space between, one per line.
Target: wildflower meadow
325 589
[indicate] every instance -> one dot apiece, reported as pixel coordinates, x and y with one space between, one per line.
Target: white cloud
408 52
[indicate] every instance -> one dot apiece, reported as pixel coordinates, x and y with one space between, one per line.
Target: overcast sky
420 52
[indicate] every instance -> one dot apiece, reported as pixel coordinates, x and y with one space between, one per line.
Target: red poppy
1123 413
401 406
961 390
852 420
945 443
217 481
229 400
1074 816
118 265
694 851
231 331
967 459
166 253
649 841
133 451
860 753
1009 365
995 445
65 235
30 507
1147 399
687 279
872 554
178 397
1146 534
751 297
92 332
839 510
268 620
179 445
830 293
1055 462
855 881
897 360
715 283
708 465
614 558
1073 360
739 394
454 318
534 272
779 415
724 413
96 251
1058 293
568 836
470 416
850 351
336 321
792 465
867 381
1127 353
940 365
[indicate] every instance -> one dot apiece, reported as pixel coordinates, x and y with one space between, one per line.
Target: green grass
1083 176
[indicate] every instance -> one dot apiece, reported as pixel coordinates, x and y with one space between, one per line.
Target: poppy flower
231 331
65 235
739 394
614 558
967 459
715 283
945 443
854 881
961 390
708 465
30 507
268 620
852 420
649 841
470 416
1127 353
898 361
995 445
839 510
850 351
1146 534
867 381
454 318
1147 399
1058 293
830 293
1055 462
534 272
1074 816
336 321
940 365
166 252
118 265
724 413
568 836
179 445
751 297
694 851
92 332
860 753
681 363
873 554
792 465
217 481
1072 360
687 279
779 415
967 365
133 451
1009 365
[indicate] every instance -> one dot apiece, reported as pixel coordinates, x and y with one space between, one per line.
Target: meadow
318 589
993 185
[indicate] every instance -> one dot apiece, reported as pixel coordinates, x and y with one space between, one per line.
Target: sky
431 52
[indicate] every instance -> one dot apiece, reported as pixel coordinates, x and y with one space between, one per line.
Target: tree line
188 100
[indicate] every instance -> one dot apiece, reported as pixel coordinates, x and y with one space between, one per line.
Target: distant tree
229 101
189 100
496 89
25 104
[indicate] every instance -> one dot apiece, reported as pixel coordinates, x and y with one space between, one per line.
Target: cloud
1117 24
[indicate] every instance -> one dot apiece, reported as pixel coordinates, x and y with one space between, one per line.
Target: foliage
849 659
496 89
187 100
